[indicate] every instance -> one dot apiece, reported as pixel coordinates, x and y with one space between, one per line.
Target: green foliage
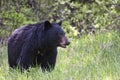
69 29
92 57
80 16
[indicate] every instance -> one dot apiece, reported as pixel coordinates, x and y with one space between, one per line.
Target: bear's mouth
64 45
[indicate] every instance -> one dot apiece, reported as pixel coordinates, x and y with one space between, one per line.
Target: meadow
90 57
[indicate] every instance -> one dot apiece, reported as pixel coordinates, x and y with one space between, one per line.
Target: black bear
36 44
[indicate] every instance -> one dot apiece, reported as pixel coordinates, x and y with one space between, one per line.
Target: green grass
91 57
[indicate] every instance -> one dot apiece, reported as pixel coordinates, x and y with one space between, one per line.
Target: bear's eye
61 34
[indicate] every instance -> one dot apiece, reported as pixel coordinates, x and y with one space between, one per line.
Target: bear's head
55 35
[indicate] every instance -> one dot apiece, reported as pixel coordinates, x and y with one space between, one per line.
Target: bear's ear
47 25
60 23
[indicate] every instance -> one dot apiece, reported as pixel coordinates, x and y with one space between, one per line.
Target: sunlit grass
91 57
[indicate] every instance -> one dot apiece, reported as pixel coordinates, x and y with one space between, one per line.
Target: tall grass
91 57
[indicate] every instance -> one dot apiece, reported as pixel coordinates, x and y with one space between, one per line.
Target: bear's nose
68 43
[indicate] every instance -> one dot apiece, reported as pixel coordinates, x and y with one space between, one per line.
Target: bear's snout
68 42
64 42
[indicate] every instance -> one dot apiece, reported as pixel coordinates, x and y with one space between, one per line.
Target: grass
91 57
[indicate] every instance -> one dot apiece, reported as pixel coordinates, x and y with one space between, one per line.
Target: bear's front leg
26 59
48 60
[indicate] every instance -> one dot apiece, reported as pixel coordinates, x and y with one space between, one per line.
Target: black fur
36 44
